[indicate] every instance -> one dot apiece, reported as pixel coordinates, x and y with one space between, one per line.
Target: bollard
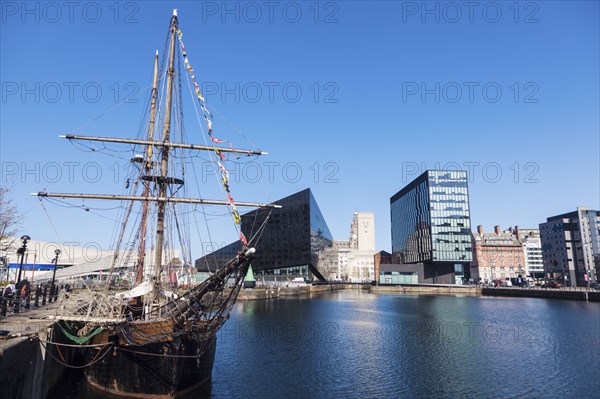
17 303
27 299
44 296
3 307
38 293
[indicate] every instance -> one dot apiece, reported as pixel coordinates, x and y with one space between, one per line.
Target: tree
10 221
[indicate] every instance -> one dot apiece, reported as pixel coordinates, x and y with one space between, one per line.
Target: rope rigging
90 318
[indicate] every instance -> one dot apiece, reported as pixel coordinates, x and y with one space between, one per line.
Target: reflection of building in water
291 245
352 260
431 227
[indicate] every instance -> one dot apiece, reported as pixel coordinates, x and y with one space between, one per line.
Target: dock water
28 370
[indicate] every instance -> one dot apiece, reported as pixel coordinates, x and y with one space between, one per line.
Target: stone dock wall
260 293
571 294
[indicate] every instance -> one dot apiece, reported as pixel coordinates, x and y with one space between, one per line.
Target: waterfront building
497 255
532 248
431 227
381 259
293 244
335 261
395 273
571 247
361 266
352 260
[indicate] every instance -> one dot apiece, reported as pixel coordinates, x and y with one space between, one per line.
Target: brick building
497 255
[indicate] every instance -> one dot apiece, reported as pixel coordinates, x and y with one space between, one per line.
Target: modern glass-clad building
292 243
430 221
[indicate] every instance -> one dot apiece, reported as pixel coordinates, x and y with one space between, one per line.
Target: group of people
21 291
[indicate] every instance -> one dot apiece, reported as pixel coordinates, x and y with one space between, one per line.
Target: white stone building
532 246
353 260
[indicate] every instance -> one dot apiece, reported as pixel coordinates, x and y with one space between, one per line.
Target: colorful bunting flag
208 119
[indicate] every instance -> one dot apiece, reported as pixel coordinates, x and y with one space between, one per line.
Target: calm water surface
352 344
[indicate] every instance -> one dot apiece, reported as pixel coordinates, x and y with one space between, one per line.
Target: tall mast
147 168
162 183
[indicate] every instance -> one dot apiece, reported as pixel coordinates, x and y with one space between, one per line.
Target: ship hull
167 369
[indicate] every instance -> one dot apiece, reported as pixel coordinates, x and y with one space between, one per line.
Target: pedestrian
23 295
23 289
9 290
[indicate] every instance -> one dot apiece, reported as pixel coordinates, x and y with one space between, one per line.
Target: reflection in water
353 344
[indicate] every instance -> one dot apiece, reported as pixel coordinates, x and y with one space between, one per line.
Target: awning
140 290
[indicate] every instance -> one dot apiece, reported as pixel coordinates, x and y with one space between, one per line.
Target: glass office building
430 220
292 243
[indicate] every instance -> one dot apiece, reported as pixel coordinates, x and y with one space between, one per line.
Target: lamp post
57 252
21 251
4 268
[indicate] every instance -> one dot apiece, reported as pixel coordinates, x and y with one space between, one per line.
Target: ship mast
147 169
161 180
164 167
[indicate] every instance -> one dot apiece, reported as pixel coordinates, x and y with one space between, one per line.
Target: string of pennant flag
208 118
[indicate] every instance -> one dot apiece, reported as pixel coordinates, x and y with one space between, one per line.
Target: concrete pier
577 295
422 289
253 294
427 289
26 370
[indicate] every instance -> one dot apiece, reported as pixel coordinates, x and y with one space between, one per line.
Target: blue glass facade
291 244
430 219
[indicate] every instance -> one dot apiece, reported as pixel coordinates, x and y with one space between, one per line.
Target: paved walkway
27 321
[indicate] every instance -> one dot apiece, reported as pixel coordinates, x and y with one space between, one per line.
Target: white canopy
140 290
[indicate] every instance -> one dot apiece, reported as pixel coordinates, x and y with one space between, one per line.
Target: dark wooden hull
165 356
166 369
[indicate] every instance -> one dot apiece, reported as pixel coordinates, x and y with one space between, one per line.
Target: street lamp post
21 251
4 268
57 252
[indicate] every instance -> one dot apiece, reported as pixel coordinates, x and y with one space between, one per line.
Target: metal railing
15 302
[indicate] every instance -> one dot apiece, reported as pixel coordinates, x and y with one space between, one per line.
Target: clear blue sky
386 88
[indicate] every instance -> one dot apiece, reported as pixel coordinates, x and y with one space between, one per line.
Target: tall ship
153 340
